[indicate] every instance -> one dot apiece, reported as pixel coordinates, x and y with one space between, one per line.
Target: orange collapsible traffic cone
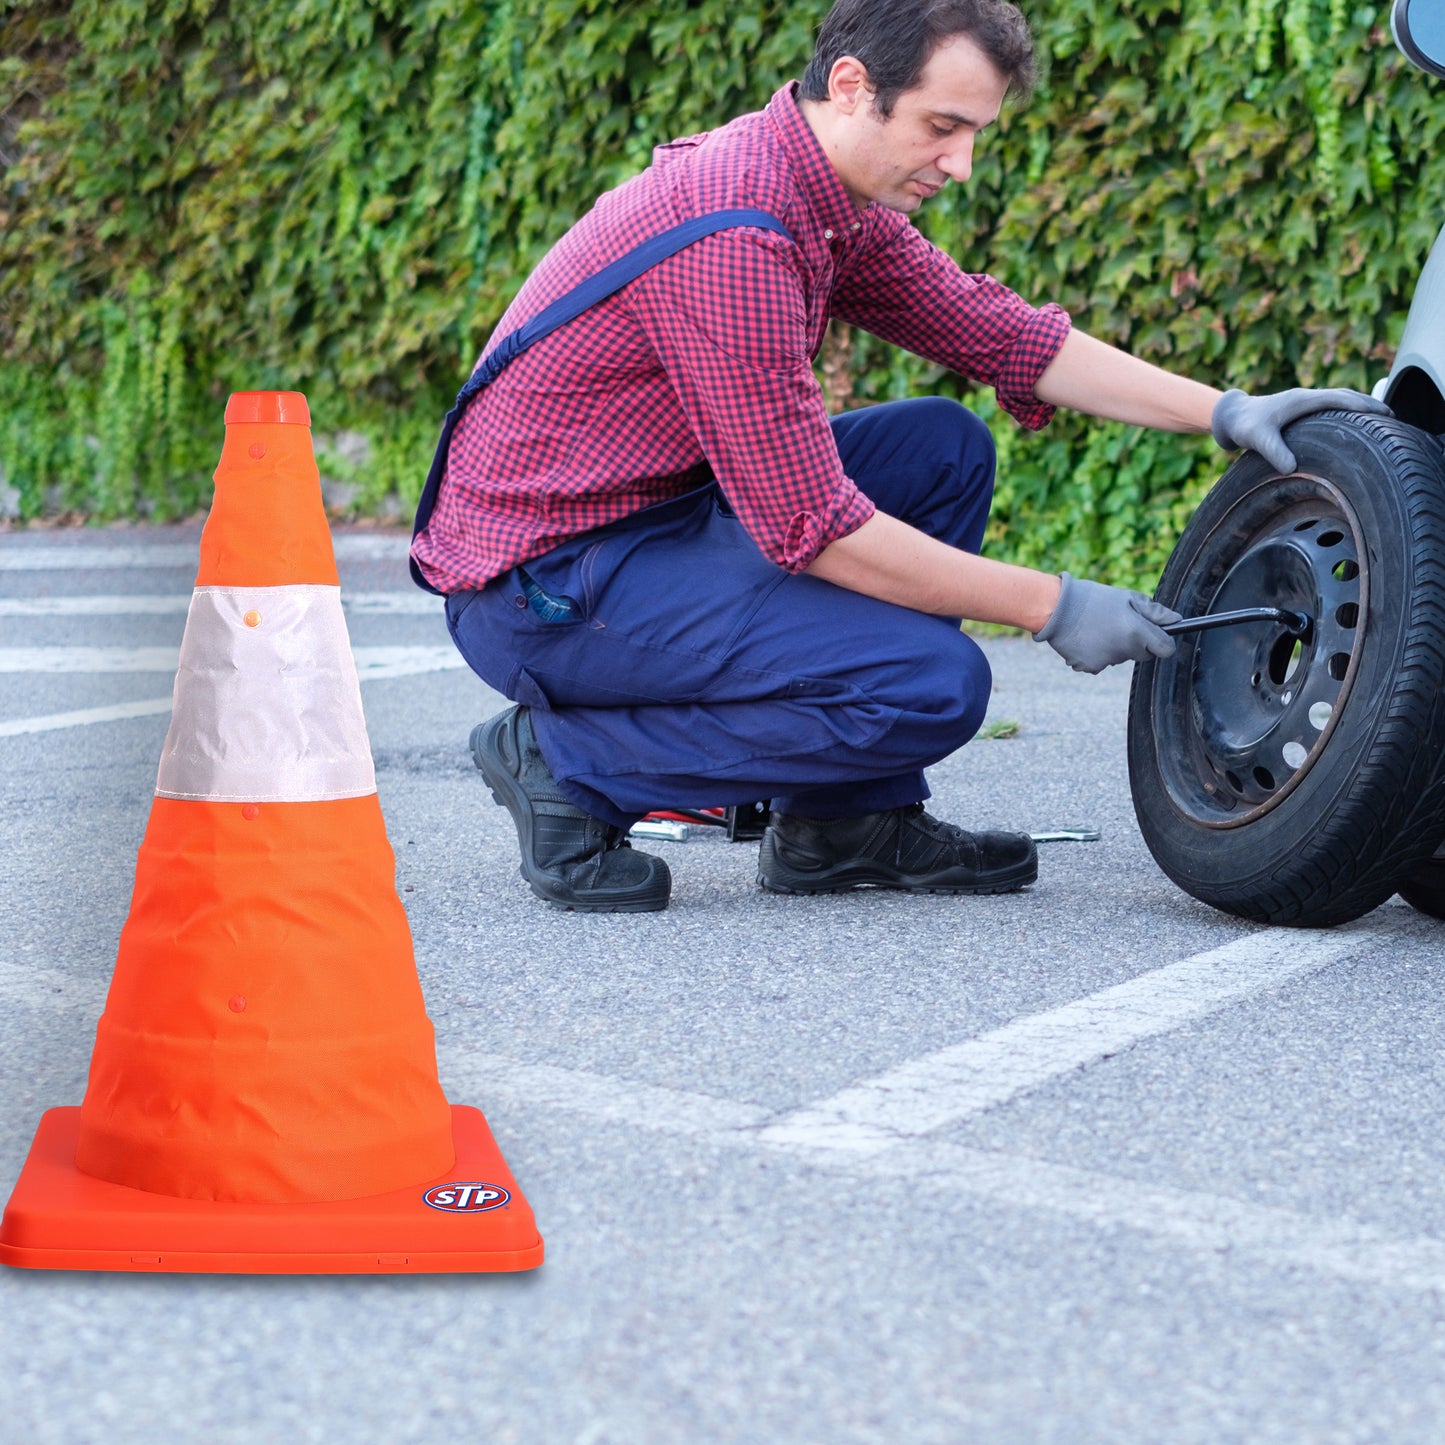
263 1092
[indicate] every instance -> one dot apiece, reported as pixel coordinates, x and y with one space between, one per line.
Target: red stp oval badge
466 1197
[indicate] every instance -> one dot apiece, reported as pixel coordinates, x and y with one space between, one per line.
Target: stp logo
466 1198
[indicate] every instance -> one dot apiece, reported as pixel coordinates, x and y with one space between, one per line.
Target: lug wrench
1296 622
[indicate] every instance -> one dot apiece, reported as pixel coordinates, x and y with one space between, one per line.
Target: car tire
1296 780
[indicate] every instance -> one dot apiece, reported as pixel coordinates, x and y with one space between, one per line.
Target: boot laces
913 818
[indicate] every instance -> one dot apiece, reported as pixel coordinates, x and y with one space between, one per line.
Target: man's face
902 160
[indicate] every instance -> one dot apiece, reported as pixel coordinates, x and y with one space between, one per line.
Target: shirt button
827 235
519 601
856 226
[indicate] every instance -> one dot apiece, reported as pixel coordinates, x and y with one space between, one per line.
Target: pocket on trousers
547 606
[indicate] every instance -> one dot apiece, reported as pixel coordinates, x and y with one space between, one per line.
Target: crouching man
696 588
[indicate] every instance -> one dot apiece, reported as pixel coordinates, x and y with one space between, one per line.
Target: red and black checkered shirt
707 358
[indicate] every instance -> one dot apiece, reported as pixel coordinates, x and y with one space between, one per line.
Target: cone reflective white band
267 702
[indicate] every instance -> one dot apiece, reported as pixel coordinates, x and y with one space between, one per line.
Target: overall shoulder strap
586 294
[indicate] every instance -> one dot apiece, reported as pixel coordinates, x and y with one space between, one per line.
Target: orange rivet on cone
294 1123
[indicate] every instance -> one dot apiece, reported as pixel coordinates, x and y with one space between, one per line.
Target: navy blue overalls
667 662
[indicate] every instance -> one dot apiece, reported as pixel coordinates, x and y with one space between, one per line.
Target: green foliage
342 197
1000 729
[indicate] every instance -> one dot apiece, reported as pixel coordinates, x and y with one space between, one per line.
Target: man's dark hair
895 38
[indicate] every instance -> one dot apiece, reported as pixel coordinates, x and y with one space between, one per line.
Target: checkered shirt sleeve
904 289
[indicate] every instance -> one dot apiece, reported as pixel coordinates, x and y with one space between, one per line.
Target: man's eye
941 130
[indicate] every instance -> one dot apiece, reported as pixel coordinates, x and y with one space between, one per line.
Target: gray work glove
1094 626
1258 422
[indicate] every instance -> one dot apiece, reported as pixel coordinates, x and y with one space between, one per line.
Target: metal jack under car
1292 774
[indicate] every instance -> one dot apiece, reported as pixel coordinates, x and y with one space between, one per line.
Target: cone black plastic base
471 1219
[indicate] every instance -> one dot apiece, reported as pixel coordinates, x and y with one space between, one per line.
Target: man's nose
957 161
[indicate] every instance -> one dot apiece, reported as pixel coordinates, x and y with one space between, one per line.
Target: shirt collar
817 180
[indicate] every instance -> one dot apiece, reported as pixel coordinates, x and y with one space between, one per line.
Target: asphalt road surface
1091 1162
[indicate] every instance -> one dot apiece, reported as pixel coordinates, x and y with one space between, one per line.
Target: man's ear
848 85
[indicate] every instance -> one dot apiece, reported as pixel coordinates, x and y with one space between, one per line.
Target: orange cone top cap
267 526
268 406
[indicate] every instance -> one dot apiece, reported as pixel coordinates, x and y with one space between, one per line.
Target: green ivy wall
340 196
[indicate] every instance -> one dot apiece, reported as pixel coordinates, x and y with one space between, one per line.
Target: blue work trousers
668 663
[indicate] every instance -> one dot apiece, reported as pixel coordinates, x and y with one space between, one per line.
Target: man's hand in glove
1094 626
1258 422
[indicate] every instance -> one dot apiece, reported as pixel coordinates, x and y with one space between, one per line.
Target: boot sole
779 878
507 793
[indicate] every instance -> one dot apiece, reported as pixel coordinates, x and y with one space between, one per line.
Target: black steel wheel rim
1243 713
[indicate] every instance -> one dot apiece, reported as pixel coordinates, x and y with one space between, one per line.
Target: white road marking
969 1078
411 604
94 606
1197 1221
617 1101
370 661
416 603
373 664
1193 1220
32 557
40 660
83 717
93 559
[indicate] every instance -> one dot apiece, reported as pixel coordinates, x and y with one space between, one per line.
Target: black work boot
569 857
901 848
